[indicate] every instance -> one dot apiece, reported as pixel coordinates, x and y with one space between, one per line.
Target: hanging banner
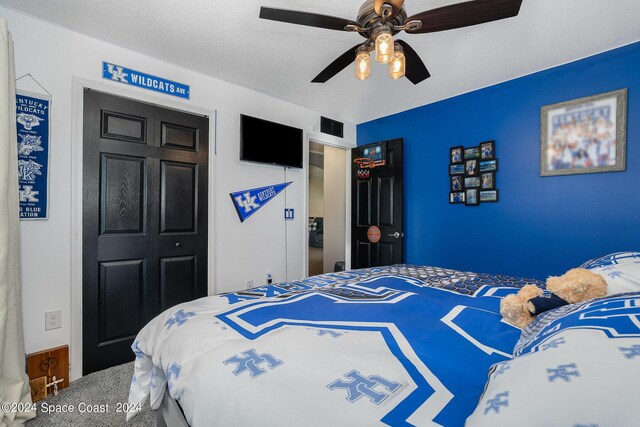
131 77
247 202
32 117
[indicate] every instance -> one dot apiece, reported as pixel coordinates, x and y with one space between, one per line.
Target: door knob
178 245
395 235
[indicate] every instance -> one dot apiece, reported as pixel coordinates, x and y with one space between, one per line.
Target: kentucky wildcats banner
32 116
247 202
146 81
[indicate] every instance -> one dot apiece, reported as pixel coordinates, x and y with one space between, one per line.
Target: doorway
327 208
145 219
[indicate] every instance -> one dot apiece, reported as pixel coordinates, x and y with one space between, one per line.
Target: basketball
373 234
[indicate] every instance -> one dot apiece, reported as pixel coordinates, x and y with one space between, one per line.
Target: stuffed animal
574 286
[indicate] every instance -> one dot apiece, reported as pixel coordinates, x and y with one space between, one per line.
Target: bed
400 345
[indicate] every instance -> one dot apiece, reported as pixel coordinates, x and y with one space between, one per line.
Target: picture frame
488 166
456 183
457 197
471 167
472 198
456 155
472 153
456 169
487 150
584 135
488 181
489 196
472 182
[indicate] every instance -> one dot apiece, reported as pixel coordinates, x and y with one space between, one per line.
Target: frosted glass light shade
384 47
397 67
363 66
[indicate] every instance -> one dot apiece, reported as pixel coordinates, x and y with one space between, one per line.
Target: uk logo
553 343
630 352
173 371
365 386
502 368
28 120
500 400
136 350
563 372
28 169
179 318
117 73
248 203
28 195
251 363
333 334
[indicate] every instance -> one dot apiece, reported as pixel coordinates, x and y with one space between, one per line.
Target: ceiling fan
379 20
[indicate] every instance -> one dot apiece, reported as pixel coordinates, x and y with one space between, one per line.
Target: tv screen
263 141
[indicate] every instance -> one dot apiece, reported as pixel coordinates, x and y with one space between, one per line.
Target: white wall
55 56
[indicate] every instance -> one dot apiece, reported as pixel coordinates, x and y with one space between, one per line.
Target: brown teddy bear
574 286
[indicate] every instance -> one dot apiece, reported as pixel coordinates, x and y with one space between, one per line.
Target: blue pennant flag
247 202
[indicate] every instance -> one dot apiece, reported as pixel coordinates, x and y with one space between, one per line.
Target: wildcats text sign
131 77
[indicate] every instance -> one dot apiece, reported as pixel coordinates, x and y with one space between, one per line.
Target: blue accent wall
542 225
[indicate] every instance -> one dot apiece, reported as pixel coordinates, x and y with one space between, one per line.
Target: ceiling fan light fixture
384 45
397 66
363 64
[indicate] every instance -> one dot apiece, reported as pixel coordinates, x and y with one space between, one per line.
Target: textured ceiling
227 40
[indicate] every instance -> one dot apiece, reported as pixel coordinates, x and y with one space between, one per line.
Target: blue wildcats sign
247 202
131 77
32 117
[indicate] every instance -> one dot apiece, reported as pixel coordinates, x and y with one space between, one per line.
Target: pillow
575 366
621 271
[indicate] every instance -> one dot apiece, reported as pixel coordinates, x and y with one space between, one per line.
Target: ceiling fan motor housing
367 18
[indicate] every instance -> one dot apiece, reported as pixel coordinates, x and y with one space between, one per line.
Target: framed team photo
585 135
456 169
472 153
488 150
456 155
488 181
472 197
472 182
457 197
471 167
456 183
488 166
489 196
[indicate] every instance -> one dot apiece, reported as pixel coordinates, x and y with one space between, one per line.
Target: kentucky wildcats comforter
400 345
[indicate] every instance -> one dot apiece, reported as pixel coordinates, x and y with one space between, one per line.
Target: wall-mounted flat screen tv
263 141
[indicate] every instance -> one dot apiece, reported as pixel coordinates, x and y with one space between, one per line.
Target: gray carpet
106 387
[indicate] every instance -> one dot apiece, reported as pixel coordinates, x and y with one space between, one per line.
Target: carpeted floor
106 387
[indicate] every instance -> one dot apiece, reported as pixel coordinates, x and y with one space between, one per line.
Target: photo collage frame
472 174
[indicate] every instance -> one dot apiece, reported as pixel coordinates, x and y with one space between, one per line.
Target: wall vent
331 127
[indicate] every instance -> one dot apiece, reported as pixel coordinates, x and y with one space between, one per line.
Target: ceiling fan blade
465 14
416 71
305 18
338 65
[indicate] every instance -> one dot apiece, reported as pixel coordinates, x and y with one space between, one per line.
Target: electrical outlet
53 320
249 284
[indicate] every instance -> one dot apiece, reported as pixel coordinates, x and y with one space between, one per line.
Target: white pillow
621 271
578 365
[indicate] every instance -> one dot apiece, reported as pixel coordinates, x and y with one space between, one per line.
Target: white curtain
14 383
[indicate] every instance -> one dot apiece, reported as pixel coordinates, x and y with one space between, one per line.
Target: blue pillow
621 270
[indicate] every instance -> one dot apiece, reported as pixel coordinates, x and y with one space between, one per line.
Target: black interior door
377 200
144 220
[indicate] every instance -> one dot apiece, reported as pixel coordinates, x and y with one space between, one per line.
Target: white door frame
347 215
79 84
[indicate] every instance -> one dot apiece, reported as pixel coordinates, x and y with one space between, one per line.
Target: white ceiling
227 40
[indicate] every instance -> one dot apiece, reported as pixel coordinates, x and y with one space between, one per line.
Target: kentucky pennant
32 117
247 202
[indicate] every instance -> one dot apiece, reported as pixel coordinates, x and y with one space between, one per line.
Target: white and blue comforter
400 345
